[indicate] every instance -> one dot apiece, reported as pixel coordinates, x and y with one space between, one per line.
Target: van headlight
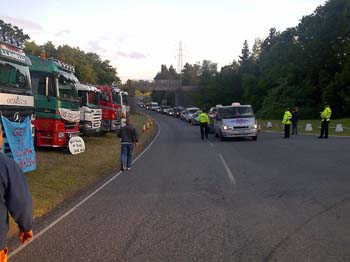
224 127
255 126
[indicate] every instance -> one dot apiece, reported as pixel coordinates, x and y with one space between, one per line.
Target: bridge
172 86
162 85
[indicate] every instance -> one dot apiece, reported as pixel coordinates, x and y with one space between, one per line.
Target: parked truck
111 105
125 104
16 97
90 111
56 102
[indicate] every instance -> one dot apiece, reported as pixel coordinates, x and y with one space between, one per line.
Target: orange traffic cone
3 255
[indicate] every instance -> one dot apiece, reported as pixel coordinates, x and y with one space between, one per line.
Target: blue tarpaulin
20 140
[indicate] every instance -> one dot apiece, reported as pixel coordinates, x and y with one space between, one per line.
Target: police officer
15 199
204 122
325 119
287 121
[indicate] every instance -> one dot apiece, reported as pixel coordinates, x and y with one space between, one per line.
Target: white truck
90 111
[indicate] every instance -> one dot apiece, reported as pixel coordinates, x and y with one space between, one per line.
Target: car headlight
255 126
224 127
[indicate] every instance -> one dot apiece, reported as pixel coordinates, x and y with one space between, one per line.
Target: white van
153 106
235 121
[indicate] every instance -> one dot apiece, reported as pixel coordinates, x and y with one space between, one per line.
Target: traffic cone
3 255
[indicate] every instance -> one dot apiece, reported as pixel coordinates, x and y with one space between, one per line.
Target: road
188 199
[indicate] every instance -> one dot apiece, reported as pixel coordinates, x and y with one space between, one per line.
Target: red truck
111 105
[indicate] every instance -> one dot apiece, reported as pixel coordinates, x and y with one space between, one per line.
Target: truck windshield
116 98
66 88
125 100
13 76
236 112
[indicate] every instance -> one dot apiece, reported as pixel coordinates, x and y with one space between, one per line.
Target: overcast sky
138 36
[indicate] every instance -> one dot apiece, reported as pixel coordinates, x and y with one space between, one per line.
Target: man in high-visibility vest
325 119
15 199
287 121
204 122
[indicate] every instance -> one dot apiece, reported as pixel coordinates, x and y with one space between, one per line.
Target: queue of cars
234 120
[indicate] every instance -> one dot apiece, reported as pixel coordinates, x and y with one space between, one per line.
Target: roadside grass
316 126
60 175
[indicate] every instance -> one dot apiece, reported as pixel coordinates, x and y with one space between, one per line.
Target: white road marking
228 170
39 234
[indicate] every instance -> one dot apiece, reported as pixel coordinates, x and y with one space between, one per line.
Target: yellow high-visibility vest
287 118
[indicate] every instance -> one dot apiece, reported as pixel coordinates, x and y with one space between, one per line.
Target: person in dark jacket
128 139
15 199
295 119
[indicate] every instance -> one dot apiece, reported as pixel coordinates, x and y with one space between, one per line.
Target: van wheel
254 138
222 138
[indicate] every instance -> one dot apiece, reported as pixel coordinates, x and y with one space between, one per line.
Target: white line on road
210 143
228 170
37 235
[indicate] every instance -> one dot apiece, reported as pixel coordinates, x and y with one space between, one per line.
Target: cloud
132 55
63 32
95 46
26 25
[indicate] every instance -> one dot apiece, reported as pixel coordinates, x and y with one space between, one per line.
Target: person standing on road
204 123
325 119
15 199
128 139
287 117
295 119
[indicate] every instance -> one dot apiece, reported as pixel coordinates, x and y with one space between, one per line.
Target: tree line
89 67
302 66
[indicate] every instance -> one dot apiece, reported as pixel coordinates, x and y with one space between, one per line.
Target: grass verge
316 126
60 176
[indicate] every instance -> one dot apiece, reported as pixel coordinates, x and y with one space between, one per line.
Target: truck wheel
254 138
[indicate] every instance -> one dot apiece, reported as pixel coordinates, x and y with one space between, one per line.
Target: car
170 112
235 120
157 109
164 109
189 112
183 115
177 111
195 120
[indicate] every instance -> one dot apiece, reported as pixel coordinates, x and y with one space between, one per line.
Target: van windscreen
236 112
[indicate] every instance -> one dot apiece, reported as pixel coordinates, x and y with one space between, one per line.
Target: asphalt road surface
188 199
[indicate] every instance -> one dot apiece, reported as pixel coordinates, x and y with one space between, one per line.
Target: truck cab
90 111
235 120
16 96
111 105
56 102
125 104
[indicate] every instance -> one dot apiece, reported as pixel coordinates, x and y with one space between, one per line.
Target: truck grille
69 126
97 121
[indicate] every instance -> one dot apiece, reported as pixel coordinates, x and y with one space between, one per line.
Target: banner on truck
19 136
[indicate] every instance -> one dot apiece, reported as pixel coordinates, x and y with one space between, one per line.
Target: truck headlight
60 134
